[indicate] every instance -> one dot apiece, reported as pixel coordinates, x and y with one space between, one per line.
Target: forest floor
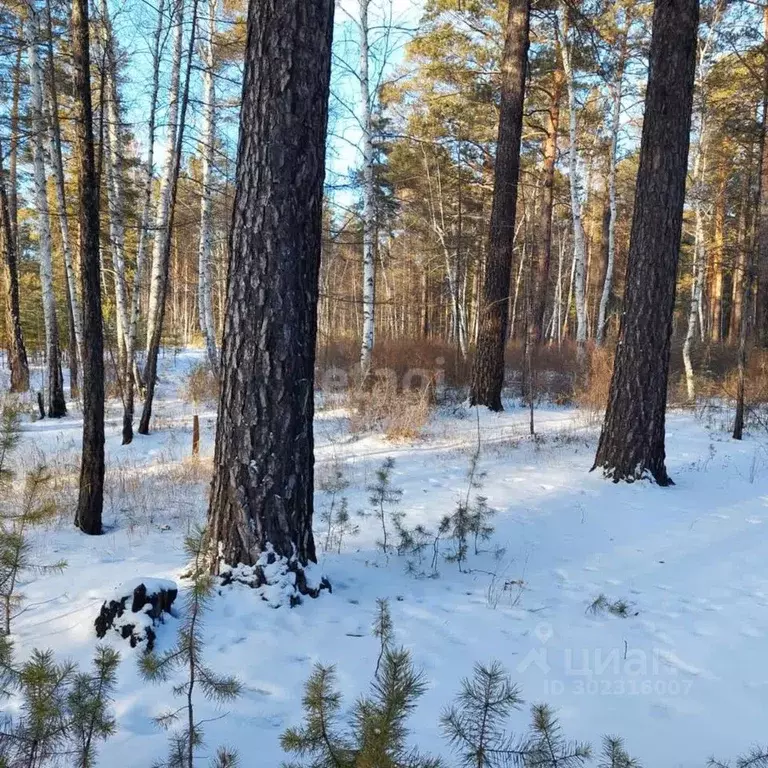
682 677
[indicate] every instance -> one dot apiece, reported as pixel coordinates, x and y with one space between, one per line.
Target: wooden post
195 435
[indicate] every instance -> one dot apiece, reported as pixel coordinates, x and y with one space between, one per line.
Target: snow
152 585
682 677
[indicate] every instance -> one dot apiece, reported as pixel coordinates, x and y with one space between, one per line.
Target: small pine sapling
89 700
332 485
383 498
480 516
603 604
547 748
476 724
16 555
441 532
376 734
187 657
614 755
10 435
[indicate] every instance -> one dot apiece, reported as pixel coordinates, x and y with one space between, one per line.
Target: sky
134 22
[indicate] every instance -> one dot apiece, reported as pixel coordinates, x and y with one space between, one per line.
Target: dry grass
592 395
384 407
201 386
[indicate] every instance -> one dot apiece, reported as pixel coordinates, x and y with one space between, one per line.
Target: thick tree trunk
544 240
576 185
17 353
263 467
632 440
762 228
488 368
162 252
369 201
744 249
205 278
57 406
13 194
91 496
131 369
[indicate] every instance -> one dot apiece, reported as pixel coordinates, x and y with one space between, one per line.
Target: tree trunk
158 285
718 265
90 499
54 136
205 297
57 406
13 194
544 241
113 156
263 466
632 440
162 252
17 353
697 268
762 228
744 249
576 186
488 368
131 369
617 89
369 201
760 252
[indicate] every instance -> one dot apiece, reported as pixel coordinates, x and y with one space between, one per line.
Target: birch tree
616 89
575 182
113 161
57 163
132 378
55 383
161 265
369 198
17 353
205 276
160 256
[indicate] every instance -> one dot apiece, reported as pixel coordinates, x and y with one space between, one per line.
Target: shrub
201 386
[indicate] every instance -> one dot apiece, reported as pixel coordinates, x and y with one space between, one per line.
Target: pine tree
263 486
632 439
187 657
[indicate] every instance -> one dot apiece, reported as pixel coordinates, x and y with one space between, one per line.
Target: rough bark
17 353
488 367
205 276
544 240
762 229
369 201
91 495
263 466
57 406
132 377
718 265
632 439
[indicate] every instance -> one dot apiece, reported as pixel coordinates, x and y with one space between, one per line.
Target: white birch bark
205 296
114 167
576 187
41 194
616 89
146 210
699 256
159 252
369 202
54 149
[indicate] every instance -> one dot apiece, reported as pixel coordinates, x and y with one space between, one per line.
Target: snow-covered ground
682 678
